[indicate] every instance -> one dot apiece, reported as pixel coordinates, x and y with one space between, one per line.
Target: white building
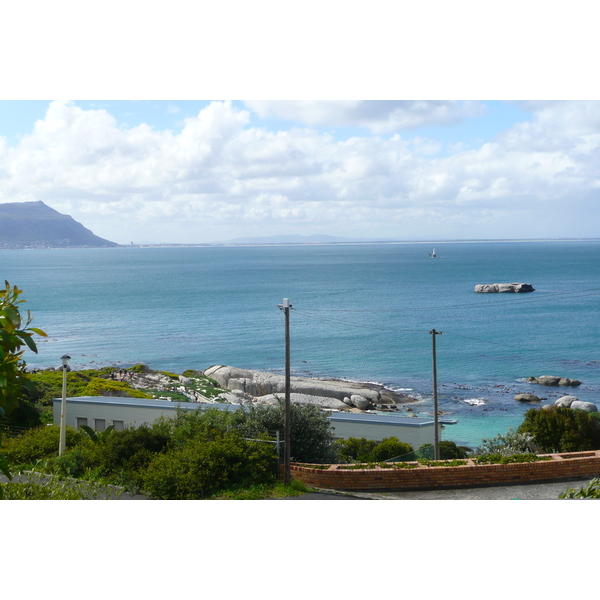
98 412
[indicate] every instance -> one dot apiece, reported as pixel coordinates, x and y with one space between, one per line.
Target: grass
266 491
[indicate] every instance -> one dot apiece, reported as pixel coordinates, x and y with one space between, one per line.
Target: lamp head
65 358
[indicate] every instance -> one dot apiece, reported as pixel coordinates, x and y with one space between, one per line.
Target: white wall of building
132 412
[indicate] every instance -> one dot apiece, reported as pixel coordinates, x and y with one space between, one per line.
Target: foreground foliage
590 492
41 487
560 429
15 337
194 455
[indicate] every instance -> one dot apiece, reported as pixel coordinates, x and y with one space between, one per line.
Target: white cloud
380 116
220 178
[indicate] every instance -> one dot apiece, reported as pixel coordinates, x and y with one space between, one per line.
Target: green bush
590 492
73 463
448 450
354 450
201 468
512 442
389 448
37 444
362 450
560 429
37 486
47 385
187 425
310 428
125 454
503 459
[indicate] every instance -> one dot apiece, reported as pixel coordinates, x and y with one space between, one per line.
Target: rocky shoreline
264 388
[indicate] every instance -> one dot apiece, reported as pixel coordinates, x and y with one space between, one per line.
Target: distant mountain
35 225
291 239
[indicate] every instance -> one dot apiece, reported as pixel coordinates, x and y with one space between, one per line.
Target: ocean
359 312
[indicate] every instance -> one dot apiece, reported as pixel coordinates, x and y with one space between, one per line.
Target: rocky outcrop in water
553 380
500 288
264 388
527 398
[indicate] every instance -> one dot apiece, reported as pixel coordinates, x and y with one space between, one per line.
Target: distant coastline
357 243
43 246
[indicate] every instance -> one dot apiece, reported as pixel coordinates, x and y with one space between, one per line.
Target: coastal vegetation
194 455
15 335
589 492
559 429
362 450
43 386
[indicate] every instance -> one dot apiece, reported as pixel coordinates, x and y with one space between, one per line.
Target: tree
14 336
561 429
312 437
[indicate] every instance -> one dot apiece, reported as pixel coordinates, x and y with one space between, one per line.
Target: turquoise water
359 312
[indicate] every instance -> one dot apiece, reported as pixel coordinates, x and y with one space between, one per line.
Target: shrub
389 448
560 429
310 429
201 468
73 463
37 444
513 442
353 450
448 450
187 425
591 491
125 454
47 385
503 459
52 489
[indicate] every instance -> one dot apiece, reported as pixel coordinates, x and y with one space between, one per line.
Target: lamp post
63 406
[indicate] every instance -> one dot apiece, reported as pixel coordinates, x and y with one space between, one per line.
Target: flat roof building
99 412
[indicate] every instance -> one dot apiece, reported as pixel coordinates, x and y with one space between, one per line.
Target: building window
99 424
118 425
81 421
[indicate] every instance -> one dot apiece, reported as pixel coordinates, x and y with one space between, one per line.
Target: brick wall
560 466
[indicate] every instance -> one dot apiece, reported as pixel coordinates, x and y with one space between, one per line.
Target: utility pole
286 306
436 441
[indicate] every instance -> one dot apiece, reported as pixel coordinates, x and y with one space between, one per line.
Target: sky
211 171
429 121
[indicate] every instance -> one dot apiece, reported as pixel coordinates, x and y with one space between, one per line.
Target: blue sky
211 171
282 143
17 118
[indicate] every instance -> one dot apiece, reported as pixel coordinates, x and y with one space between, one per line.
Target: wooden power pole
286 306
436 440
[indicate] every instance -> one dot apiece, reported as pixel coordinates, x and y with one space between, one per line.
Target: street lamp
63 407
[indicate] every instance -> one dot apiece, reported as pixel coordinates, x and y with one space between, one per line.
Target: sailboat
433 254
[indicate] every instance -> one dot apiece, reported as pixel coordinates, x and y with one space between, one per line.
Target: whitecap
474 401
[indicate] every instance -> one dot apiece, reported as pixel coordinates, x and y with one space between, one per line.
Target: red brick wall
561 466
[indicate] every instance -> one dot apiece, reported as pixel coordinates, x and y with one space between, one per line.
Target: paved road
530 491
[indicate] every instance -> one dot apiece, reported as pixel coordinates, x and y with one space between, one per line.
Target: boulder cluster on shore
261 387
